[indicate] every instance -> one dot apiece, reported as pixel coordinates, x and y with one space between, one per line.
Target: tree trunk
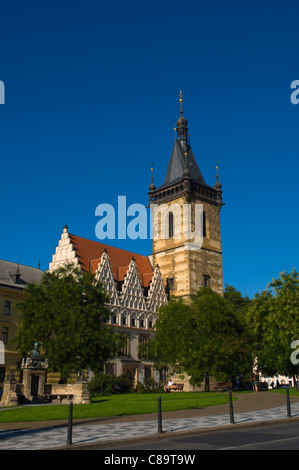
207 382
295 380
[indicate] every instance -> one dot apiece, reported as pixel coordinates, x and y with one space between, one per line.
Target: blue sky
91 99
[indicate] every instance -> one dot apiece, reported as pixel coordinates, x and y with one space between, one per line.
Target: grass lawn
292 391
115 405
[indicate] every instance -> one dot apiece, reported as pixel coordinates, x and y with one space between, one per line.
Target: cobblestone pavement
36 438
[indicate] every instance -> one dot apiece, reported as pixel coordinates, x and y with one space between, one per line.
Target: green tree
235 297
274 317
203 338
67 315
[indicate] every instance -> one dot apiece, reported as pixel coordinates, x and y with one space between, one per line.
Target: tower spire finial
181 101
218 185
152 187
181 124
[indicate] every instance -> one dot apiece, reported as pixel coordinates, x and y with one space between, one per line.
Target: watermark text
180 222
295 95
2 92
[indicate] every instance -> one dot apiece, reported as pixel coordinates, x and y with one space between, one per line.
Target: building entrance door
34 385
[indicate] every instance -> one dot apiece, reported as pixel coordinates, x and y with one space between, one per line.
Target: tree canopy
274 318
205 337
67 315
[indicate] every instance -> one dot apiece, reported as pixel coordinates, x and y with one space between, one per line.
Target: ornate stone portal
34 376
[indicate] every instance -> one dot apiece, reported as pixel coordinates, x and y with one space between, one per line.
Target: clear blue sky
92 98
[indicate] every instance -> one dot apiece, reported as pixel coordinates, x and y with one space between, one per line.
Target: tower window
170 225
206 280
170 283
204 224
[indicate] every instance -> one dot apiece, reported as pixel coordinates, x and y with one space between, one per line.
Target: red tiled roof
89 254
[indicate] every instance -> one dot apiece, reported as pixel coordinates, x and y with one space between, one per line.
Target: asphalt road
269 437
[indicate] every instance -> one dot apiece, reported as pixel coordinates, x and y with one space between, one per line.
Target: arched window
206 280
170 225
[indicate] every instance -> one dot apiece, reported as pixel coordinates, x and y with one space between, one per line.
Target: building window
7 305
141 323
4 335
150 324
206 280
114 319
170 225
125 347
147 373
124 320
142 346
133 322
110 369
141 377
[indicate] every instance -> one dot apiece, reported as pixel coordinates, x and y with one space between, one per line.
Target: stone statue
34 360
35 354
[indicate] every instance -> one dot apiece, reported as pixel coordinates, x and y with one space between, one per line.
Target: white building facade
135 289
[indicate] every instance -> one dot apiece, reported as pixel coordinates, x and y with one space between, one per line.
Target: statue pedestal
34 379
9 397
80 388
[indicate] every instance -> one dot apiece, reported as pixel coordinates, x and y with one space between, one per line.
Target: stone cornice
190 189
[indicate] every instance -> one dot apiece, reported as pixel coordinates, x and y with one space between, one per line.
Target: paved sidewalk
248 410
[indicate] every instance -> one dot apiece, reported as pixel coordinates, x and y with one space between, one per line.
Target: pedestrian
168 386
252 382
239 380
256 381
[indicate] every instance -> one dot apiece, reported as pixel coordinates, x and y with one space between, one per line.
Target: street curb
105 445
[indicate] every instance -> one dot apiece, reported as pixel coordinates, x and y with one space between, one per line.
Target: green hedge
104 384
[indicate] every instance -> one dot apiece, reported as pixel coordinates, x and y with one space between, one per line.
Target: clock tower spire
181 200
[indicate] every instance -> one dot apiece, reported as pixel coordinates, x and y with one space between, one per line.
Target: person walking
256 381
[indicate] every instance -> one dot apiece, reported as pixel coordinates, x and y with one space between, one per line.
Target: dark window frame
170 225
7 307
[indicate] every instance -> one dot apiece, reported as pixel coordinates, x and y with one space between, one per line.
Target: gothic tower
186 222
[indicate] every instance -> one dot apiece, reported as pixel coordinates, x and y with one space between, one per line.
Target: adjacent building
135 290
13 280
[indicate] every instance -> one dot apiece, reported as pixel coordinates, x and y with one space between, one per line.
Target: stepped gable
132 293
104 274
156 295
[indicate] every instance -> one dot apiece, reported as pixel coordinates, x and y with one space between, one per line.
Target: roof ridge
19 264
109 246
